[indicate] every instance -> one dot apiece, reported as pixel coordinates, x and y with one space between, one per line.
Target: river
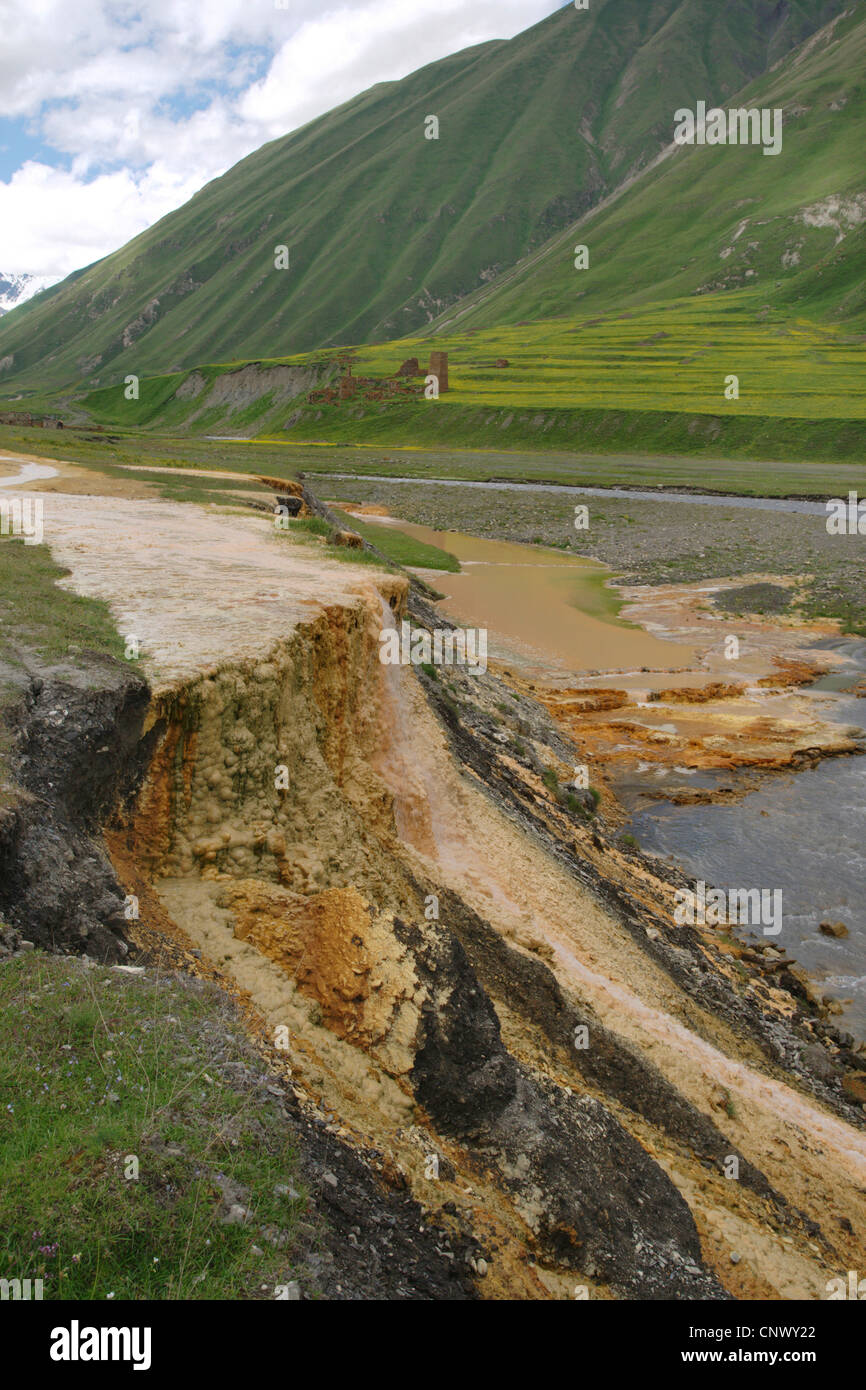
803 506
804 833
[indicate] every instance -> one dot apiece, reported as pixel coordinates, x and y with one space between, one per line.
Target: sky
113 113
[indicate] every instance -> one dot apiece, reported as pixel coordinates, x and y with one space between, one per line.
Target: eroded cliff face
268 832
261 769
305 826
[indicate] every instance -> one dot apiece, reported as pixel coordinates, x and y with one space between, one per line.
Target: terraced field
655 381
667 357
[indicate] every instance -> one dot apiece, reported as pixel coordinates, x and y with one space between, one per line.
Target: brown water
542 608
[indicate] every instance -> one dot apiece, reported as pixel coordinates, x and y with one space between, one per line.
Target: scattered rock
816 1059
287 1190
837 929
802 984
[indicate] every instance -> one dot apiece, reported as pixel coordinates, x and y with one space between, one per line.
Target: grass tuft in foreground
114 1075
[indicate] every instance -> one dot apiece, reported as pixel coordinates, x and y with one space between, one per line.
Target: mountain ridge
808 215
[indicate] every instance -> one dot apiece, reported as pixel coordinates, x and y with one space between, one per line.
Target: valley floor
420 929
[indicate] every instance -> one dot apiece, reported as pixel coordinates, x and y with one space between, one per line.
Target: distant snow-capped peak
14 289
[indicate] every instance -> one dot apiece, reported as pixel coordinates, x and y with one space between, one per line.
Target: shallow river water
803 833
544 610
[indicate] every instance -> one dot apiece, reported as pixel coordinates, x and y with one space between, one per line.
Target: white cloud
341 52
53 221
111 86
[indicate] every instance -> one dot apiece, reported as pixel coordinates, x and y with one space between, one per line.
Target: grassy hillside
385 228
714 219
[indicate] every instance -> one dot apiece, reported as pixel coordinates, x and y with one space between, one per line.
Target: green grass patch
105 1075
36 614
312 525
313 530
402 549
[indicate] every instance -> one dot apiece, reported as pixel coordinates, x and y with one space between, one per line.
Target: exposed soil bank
75 753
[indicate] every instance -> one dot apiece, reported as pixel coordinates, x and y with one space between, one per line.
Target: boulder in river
837 929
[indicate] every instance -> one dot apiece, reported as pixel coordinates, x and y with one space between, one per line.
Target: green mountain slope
714 219
384 227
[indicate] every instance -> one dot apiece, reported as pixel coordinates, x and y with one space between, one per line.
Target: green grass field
667 357
122 1126
654 381
713 472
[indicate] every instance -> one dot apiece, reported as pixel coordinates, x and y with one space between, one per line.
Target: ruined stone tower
439 368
